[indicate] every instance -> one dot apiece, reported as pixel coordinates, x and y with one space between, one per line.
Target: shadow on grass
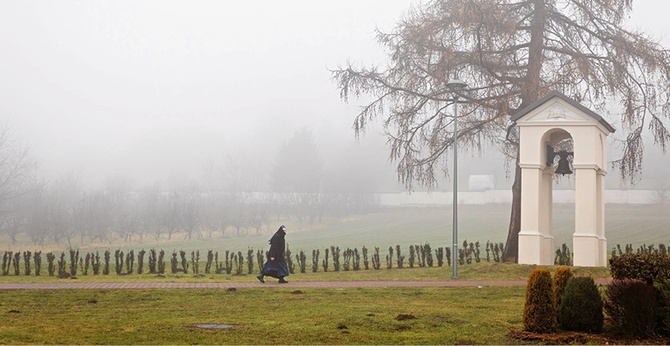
572 338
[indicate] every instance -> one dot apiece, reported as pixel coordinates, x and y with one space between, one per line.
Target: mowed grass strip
474 271
262 316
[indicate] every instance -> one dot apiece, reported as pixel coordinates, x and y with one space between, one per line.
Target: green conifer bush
539 311
581 307
560 281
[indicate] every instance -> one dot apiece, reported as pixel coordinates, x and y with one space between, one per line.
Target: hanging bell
563 163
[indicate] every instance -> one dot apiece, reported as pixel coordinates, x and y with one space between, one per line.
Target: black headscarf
278 243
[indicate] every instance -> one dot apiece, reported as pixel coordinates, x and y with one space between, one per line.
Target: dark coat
276 268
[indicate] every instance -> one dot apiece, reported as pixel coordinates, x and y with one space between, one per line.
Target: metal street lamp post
454 85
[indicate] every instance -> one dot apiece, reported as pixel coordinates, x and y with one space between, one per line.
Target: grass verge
474 271
263 316
274 316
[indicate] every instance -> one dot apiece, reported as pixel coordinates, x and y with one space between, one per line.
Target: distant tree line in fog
235 204
47 215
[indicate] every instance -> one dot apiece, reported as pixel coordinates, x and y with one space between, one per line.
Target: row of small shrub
334 259
636 302
234 262
564 256
662 249
123 264
574 303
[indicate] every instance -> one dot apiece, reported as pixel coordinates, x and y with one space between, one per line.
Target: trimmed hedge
647 267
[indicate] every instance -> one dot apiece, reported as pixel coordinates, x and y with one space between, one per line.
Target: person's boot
282 281
260 278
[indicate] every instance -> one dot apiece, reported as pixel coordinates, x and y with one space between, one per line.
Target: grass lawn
312 316
262 316
273 315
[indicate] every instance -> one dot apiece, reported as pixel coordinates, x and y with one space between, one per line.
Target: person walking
276 264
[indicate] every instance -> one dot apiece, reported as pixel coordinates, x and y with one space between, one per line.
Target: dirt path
268 284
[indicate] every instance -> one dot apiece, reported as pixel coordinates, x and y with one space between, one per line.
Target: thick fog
171 92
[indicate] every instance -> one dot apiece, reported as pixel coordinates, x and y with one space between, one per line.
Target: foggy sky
157 90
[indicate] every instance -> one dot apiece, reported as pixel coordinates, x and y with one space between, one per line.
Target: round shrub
539 311
581 307
560 281
631 307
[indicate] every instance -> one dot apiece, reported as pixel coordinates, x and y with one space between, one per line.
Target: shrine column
546 216
602 241
533 241
588 220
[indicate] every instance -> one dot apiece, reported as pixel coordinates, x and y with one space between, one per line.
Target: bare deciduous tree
16 166
511 53
170 213
16 176
661 189
190 214
298 174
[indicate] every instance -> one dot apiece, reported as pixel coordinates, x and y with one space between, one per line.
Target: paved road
268 284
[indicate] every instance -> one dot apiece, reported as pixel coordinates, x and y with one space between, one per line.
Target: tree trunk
512 244
529 94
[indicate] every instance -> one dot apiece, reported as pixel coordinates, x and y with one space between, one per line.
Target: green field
311 316
634 224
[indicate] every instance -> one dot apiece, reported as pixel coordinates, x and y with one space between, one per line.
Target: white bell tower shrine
542 126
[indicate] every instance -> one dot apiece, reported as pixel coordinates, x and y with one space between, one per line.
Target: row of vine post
237 263
126 263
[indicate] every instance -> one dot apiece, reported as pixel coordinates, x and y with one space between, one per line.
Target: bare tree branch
510 53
